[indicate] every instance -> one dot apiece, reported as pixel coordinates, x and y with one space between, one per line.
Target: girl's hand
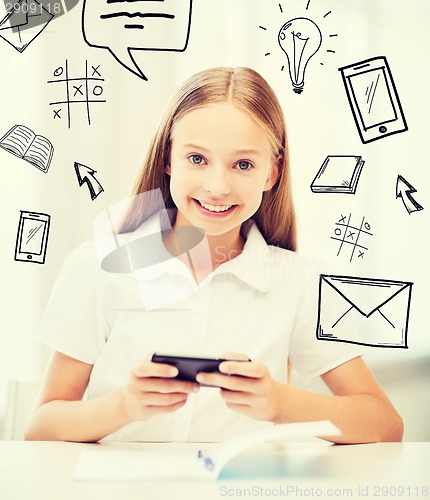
151 391
247 388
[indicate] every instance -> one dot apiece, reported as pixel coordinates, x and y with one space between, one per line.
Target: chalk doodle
32 237
22 21
300 38
24 143
83 91
404 191
373 99
85 175
338 174
349 236
365 311
123 27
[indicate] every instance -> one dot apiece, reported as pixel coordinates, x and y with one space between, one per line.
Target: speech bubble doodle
122 27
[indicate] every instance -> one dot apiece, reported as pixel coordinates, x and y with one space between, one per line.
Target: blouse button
200 320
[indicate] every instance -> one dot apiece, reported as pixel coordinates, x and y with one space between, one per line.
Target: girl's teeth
215 208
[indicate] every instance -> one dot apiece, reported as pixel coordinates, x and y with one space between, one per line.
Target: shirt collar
154 225
251 266
140 251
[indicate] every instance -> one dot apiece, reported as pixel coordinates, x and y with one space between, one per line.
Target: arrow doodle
86 175
405 190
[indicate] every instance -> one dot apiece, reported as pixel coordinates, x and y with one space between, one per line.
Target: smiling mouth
214 208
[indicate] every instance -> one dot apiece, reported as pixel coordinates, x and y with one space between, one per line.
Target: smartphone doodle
373 99
32 237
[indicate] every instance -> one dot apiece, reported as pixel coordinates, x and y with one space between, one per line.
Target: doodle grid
85 90
349 235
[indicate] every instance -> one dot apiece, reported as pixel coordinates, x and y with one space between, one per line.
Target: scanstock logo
27 14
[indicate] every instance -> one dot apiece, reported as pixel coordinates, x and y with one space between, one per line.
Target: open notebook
188 464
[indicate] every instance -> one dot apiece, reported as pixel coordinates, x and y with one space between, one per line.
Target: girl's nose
217 182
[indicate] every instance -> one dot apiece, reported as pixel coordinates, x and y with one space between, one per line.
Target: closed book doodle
338 174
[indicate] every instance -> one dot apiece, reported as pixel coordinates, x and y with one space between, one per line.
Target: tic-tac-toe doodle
76 93
349 235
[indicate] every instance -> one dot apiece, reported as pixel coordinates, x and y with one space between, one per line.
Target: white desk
43 471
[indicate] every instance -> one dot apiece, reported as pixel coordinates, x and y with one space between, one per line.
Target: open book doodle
192 463
24 143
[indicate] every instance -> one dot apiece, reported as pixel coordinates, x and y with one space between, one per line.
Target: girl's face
221 163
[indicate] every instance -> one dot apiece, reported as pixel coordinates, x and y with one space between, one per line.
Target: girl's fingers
232 383
150 369
164 385
243 368
156 399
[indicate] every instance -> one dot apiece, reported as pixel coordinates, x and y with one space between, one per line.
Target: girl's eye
244 165
196 159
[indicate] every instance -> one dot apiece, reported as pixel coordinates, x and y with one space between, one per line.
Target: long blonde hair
249 91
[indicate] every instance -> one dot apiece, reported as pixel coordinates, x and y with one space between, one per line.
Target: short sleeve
310 356
72 322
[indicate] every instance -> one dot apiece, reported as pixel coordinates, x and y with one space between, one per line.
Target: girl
220 159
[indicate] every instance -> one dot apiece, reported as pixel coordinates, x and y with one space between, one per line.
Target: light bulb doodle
300 39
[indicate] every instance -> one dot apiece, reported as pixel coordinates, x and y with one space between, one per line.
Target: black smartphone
190 366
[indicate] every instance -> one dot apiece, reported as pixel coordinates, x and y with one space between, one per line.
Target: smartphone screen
32 240
188 367
372 95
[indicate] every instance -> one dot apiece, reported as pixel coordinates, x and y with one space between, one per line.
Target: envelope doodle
22 21
365 311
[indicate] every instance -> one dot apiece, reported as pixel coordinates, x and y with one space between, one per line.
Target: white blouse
262 303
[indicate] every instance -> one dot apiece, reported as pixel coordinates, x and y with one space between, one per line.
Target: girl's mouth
213 210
